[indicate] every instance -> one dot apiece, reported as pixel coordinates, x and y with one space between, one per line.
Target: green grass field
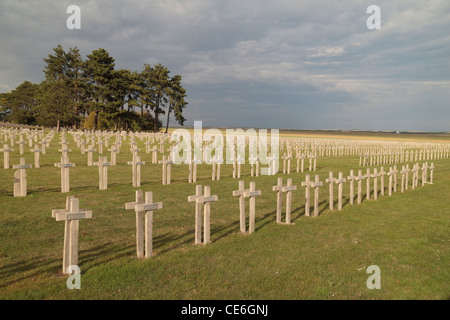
406 235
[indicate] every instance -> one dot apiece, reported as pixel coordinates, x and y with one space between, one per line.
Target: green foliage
93 94
20 104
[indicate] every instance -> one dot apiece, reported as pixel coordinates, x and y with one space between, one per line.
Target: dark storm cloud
287 64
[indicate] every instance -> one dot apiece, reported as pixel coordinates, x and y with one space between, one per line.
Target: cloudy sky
259 63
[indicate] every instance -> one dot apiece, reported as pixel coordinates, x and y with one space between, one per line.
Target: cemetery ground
324 257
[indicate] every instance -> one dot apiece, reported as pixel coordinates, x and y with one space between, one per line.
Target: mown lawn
406 235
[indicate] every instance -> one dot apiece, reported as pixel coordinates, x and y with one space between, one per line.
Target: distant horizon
268 128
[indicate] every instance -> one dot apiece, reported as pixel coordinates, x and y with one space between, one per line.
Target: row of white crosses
144 209
341 147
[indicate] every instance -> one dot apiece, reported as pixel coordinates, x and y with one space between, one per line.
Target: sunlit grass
326 257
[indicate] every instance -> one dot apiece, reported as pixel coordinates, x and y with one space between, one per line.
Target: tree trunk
95 120
168 115
57 125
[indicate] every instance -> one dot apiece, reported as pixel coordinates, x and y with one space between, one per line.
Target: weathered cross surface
166 170
368 176
391 175
340 181
37 156
202 200
90 158
6 150
215 174
424 173
136 170
65 165
301 157
307 184
114 151
280 189
382 174
375 176
71 215
247 193
288 157
102 172
360 178
331 180
415 176
65 151
20 178
402 185
316 185
254 166
144 222
352 178
395 178
431 173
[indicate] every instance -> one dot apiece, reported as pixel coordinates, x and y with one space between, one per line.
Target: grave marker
136 170
144 222
102 172
330 182
71 216
204 200
6 150
340 182
65 165
20 178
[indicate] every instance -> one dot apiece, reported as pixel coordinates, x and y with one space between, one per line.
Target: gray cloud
287 64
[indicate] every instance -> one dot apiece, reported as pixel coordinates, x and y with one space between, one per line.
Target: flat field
326 257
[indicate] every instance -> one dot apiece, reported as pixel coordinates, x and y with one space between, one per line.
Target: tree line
92 94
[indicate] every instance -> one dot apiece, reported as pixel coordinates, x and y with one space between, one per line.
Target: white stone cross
65 165
102 172
144 222
71 215
166 170
331 180
65 151
359 178
245 193
90 158
280 189
352 178
424 173
37 156
402 185
375 176
391 175
368 176
382 174
20 178
307 184
254 161
215 175
316 185
340 182
431 173
6 150
204 200
114 151
136 170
